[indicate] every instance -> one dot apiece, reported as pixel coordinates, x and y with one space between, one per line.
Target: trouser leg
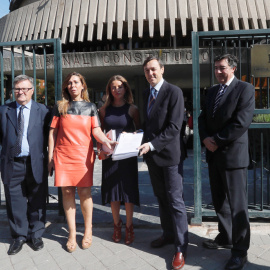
16 202
158 183
221 204
174 192
237 196
36 195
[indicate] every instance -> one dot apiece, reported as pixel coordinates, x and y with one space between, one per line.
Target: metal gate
205 46
40 59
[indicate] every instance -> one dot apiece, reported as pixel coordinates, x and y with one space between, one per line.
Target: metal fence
238 43
30 58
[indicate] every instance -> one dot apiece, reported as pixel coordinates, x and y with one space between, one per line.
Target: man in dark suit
223 127
23 136
163 114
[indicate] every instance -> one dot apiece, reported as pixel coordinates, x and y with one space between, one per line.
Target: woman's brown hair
66 98
128 95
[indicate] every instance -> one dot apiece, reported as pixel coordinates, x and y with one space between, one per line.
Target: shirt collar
28 105
230 81
158 86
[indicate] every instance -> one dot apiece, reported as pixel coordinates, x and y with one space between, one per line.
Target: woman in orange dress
71 153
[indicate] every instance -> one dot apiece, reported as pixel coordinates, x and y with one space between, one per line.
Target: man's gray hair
21 78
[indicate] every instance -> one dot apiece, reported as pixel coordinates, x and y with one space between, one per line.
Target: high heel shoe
117 232
129 235
71 246
86 242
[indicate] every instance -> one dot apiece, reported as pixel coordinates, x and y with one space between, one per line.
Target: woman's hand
101 138
51 167
110 144
102 155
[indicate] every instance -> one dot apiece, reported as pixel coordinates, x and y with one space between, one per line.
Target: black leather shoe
213 244
161 241
15 247
37 244
236 263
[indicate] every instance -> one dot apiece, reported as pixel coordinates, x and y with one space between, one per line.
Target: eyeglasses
24 90
221 68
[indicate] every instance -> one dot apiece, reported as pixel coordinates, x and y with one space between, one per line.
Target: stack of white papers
128 144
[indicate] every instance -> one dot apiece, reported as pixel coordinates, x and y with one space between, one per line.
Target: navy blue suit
25 182
162 128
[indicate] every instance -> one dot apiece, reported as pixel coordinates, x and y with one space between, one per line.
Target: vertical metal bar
23 59
248 61
45 73
239 57
261 93
12 66
267 166
58 90
225 45
267 87
2 91
212 64
2 77
234 47
34 72
254 166
58 69
197 219
262 160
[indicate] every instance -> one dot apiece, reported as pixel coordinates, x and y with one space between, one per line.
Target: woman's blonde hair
128 95
66 98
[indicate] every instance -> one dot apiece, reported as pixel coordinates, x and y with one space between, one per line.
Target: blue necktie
152 100
20 128
218 97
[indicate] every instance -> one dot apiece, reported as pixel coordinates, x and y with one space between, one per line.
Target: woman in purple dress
119 178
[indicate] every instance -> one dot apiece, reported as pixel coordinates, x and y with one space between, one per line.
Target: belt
22 159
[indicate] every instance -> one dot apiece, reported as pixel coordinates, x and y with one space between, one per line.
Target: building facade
101 38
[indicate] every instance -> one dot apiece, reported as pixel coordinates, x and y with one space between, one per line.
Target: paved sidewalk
105 254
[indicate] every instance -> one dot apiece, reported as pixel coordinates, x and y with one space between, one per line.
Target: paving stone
6 263
26 264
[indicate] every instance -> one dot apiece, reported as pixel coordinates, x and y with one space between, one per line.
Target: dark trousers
25 202
168 188
228 187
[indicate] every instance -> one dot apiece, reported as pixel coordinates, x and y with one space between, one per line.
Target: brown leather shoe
117 232
178 261
129 235
161 241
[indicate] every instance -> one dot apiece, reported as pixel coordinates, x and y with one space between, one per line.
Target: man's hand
210 144
144 148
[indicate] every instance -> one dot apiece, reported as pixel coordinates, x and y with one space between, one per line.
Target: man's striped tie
152 100
218 97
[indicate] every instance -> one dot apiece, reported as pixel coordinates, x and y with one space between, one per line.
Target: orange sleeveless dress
73 155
